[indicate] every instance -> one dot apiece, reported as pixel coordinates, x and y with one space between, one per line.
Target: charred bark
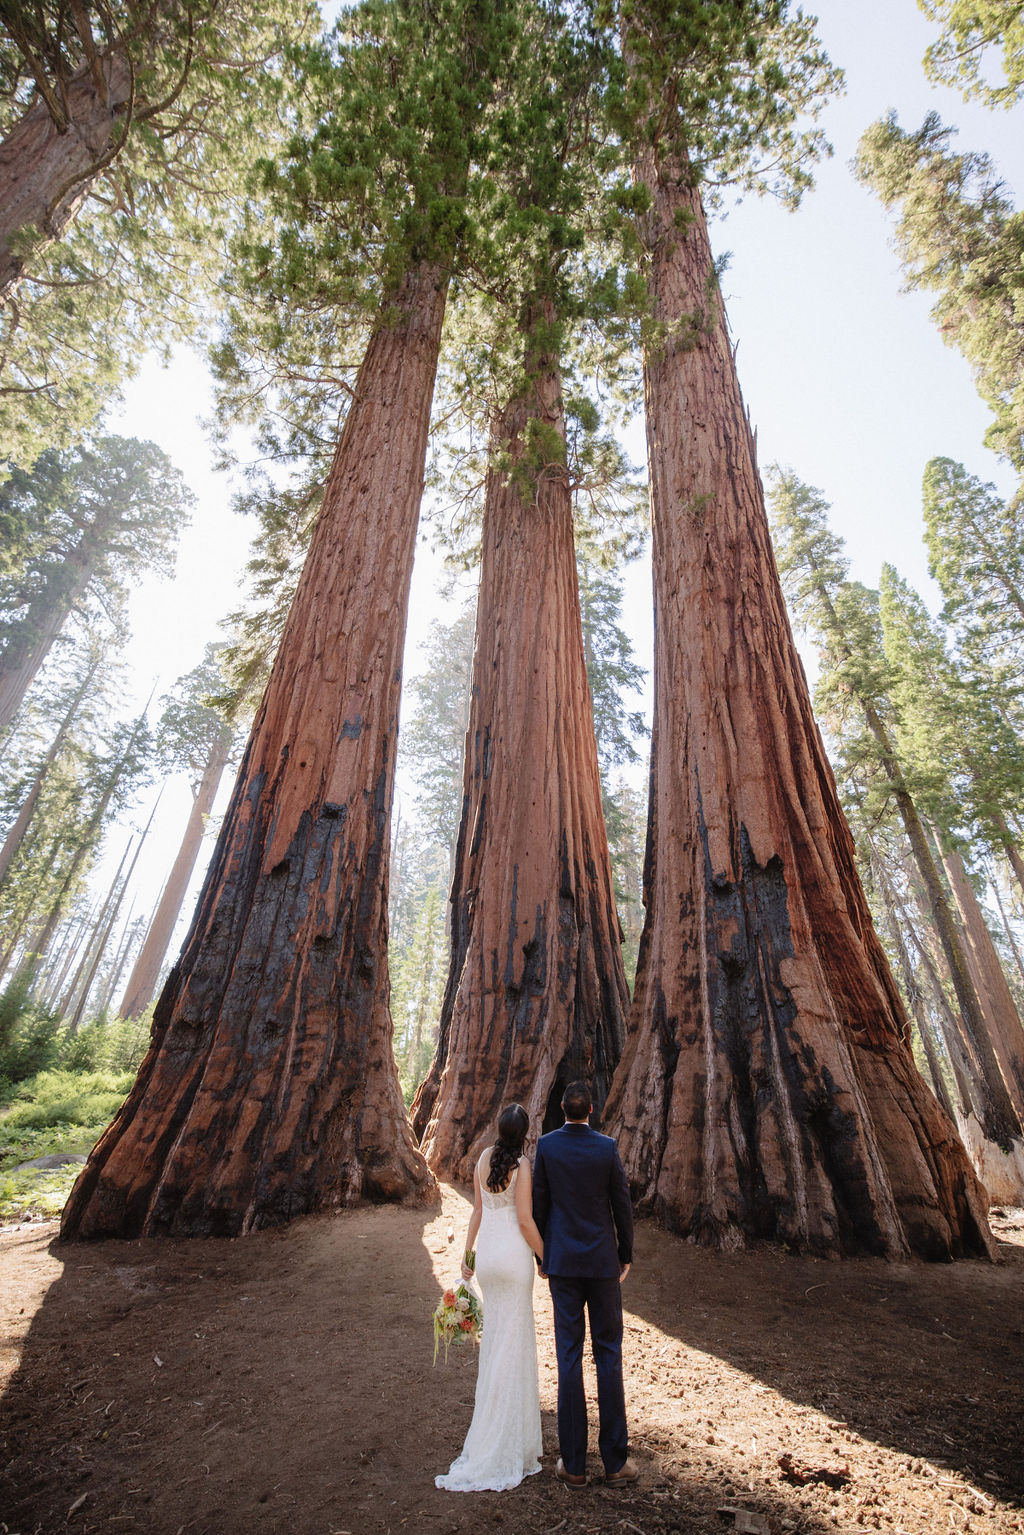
146 972
52 156
536 993
270 1087
767 1089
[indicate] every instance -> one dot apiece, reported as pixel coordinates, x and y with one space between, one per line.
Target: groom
582 1208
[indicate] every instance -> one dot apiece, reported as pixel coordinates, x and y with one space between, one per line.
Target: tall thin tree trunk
767 1088
112 980
1003 1021
86 972
1018 958
1008 846
61 959
536 993
146 972
269 1089
25 652
966 1070
911 986
106 927
52 156
14 837
1001 1121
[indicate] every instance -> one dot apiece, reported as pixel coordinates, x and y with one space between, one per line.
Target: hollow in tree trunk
536 994
767 1089
270 1087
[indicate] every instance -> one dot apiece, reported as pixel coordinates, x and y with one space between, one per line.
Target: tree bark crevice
794 1109
270 1087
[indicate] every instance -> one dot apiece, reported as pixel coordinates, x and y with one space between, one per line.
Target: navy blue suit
583 1211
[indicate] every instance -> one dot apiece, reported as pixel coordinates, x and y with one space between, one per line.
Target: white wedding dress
504 1441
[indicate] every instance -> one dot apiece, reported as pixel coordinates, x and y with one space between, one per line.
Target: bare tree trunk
113 978
52 156
1009 848
1004 1025
25 654
536 994
14 837
106 925
146 972
86 971
1001 1119
270 1089
911 986
1018 959
767 1089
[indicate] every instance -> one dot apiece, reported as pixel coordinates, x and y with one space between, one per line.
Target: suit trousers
602 1301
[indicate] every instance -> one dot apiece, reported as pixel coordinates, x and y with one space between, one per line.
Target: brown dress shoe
626 1474
567 1477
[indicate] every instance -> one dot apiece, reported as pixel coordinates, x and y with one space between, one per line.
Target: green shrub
81 1051
116 1045
125 1042
35 1192
28 1036
66 1098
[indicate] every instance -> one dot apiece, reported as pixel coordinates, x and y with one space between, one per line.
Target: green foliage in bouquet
458 1318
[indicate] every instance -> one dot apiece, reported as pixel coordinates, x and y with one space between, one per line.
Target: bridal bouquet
458 1318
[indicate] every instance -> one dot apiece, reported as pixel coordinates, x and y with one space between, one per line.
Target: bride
504 1441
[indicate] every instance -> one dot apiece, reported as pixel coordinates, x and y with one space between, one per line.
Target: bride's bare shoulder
484 1161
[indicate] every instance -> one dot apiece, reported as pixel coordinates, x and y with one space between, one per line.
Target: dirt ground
284 1382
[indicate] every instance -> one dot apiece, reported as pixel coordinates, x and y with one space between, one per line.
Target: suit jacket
581 1204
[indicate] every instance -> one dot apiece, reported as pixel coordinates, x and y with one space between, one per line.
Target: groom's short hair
576 1101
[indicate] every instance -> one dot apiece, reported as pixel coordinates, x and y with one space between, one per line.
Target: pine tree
287 949
970 29
536 992
100 515
196 739
766 1026
958 235
127 135
857 681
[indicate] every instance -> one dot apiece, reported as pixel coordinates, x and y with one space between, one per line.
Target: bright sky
846 378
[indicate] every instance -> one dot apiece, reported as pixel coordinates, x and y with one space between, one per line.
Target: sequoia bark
767 1089
53 154
536 993
270 1087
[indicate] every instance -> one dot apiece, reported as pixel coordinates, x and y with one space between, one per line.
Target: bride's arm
474 1223
524 1210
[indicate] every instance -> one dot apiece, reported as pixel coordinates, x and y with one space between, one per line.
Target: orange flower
449 1297
466 1324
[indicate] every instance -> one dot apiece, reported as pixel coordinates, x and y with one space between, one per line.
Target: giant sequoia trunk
146 971
51 157
536 994
270 1088
767 1087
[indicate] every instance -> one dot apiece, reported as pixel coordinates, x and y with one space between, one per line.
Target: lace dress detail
504 1440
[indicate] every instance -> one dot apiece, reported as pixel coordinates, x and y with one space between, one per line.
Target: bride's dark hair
513 1124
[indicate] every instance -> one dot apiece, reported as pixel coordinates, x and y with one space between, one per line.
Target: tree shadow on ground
283 1383
908 1376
